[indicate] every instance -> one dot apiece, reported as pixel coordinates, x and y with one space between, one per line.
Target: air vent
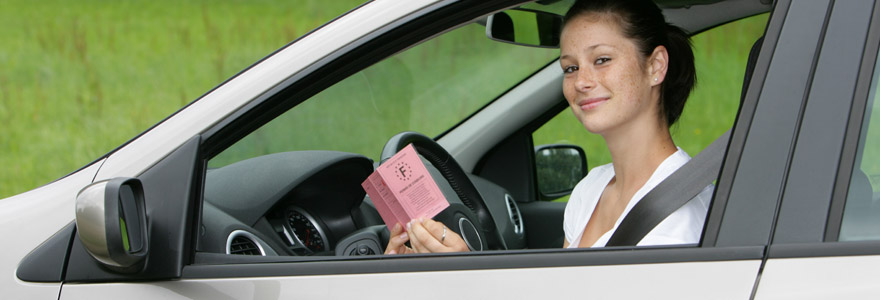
515 217
243 243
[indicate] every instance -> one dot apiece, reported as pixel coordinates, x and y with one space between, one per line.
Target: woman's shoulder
595 175
597 178
601 170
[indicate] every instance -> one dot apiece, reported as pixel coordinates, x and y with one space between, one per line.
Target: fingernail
409 225
396 226
404 236
393 252
422 220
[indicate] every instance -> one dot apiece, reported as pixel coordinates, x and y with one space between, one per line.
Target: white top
684 226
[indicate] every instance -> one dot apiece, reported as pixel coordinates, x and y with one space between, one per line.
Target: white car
253 191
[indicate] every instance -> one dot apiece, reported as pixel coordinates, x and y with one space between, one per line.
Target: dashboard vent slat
515 217
244 246
242 242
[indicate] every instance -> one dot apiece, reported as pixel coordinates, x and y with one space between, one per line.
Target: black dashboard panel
255 194
304 203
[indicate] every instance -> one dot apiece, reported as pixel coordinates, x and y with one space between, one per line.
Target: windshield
428 88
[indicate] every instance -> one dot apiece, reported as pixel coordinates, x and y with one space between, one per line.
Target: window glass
861 215
720 57
293 199
428 89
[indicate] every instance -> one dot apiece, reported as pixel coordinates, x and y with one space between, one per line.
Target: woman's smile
591 103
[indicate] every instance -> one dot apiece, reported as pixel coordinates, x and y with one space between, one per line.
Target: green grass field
80 78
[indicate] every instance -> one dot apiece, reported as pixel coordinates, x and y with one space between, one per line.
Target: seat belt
671 194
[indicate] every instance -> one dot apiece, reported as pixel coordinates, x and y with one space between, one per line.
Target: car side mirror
111 220
559 169
525 27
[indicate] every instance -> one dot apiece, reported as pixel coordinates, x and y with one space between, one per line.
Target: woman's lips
591 103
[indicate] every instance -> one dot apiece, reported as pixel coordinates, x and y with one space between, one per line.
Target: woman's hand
396 244
425 236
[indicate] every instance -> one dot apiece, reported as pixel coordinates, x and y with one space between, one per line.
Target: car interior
291 190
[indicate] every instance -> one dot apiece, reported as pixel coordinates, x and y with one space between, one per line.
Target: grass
78 79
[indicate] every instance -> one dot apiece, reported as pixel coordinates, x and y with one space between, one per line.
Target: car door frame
726 239
806 260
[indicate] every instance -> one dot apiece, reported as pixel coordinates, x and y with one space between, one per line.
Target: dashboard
311 203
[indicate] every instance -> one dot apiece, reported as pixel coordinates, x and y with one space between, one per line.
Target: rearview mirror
525 27
111 222
559 169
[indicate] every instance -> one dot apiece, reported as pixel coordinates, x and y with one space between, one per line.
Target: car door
824 244
726 264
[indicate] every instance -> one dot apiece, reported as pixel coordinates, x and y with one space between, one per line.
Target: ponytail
681 75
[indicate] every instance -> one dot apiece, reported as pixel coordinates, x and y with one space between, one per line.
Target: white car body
29 219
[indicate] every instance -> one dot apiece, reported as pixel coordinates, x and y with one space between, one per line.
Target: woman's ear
658 63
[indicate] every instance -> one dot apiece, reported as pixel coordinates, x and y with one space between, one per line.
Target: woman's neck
636 152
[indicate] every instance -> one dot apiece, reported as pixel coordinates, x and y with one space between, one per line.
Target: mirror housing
525 27
111 222
559 168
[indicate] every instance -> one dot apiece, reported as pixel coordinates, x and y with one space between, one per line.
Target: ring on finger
443 237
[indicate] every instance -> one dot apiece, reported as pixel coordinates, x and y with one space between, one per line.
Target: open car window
428 89
292 187
709 112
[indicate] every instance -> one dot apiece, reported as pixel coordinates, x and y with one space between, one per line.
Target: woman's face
607 82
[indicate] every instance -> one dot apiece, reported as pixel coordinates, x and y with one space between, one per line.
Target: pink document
402 189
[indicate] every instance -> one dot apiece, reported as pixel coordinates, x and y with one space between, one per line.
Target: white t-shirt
684 226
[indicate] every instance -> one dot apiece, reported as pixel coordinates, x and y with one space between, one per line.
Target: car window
861 215
428 89
720 56
271 192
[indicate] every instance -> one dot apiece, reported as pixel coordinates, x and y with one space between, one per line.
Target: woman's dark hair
643 22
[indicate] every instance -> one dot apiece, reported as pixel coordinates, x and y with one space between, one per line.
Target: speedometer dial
306 230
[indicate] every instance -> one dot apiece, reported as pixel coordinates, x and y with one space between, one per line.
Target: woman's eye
602 60
570 69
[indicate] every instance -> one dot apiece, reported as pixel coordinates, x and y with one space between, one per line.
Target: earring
655 78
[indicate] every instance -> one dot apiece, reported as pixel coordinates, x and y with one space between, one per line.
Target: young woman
627 76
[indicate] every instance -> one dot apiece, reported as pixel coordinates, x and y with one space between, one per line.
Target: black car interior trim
167 189
508 259
819 249
46 263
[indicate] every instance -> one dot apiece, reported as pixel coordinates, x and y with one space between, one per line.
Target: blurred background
79 78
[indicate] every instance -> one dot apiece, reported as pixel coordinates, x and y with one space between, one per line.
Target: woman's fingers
428 236
429 233
396 244
452 242
417 236
425 236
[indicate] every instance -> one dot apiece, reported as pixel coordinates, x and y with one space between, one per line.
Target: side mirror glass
559 168
525 27
111 221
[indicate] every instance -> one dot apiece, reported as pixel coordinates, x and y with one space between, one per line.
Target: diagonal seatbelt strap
672 193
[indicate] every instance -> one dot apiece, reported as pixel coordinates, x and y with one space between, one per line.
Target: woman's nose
584 81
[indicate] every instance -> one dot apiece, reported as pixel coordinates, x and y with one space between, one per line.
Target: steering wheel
472 220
